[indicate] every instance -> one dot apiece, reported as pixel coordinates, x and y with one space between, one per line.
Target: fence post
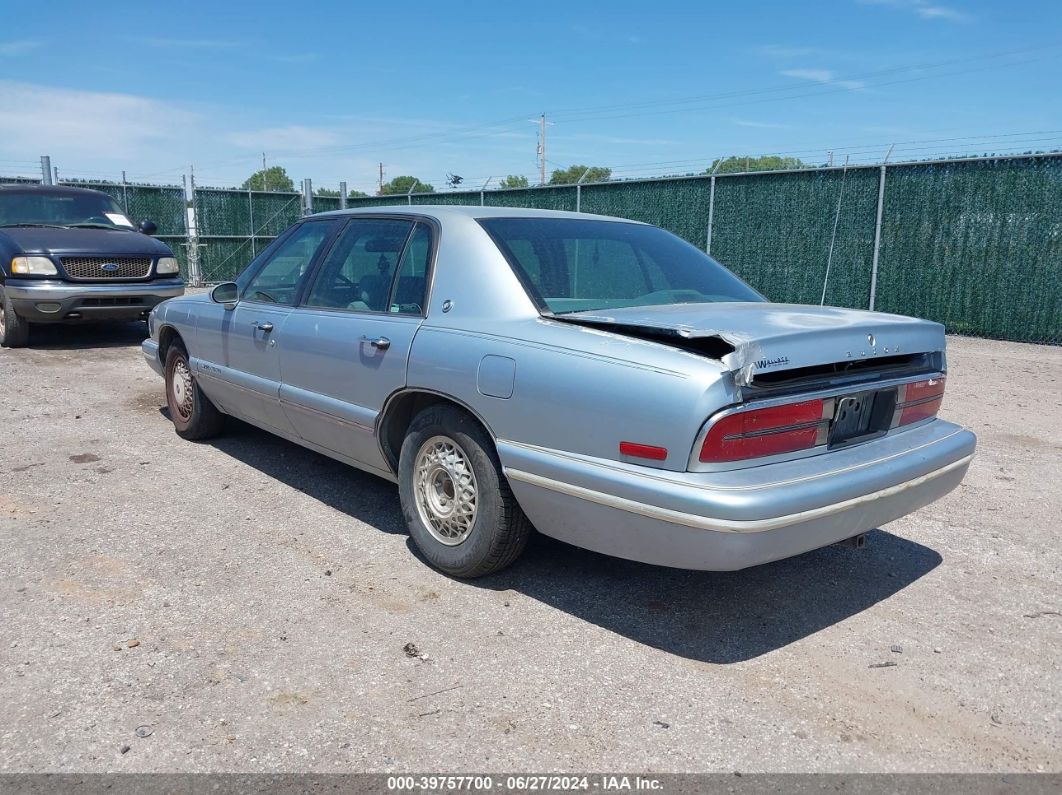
250 212
195 270
307 196
342 195
46 170
877 238
711 214
125 194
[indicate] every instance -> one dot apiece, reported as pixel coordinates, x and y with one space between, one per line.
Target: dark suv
69 255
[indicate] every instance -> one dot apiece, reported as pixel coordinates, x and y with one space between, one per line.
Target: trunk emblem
765 363
870 339
109 266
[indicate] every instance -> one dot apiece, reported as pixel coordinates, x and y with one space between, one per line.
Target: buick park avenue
599 380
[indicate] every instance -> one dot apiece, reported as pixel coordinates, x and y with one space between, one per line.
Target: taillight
763 432
920 400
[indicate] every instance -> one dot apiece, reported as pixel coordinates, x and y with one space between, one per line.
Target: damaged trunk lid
784 346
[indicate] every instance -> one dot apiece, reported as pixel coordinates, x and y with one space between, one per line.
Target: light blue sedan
600 380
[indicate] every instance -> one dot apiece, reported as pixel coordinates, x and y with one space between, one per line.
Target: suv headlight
33 266
167 265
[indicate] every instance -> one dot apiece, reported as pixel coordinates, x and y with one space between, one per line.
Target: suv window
279 280
359 270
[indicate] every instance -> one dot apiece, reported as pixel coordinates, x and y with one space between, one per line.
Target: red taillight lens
763 432
921 400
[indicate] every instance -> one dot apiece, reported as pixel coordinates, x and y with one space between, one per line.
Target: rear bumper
48 301
731 520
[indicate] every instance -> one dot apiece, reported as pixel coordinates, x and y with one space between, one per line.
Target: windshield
571 265
57 209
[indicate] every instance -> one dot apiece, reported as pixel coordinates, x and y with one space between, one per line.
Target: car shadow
715 617
77 336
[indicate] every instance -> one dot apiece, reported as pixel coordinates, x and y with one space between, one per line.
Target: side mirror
226 294
147 227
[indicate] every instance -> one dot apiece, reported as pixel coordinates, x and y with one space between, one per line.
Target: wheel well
400 412
167 336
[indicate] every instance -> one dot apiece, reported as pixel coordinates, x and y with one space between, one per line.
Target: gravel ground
245 604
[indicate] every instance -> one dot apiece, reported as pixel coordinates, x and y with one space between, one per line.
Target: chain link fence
975 243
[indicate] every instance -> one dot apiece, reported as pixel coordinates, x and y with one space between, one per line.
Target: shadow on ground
717 617
77 336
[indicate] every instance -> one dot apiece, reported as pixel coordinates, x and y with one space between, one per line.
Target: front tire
14 330
194 416
458 506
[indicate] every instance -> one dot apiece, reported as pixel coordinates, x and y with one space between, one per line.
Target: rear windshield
574 265
71 209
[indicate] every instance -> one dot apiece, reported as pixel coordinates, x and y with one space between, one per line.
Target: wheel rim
3 321
181 389
445 489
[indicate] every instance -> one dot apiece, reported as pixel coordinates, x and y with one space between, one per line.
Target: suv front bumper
53 301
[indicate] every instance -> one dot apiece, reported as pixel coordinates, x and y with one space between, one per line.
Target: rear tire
194 416
458 506
14 330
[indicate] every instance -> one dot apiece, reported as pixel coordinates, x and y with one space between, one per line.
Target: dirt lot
244 605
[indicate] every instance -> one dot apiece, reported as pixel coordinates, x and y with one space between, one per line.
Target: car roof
48 190
443 211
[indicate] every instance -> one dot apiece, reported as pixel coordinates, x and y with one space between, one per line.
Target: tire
14 330
194 416
447 454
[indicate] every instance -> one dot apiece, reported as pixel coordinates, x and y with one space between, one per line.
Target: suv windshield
571 265
61 209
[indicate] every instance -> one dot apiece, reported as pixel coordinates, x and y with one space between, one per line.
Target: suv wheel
14 330
194 416
456 501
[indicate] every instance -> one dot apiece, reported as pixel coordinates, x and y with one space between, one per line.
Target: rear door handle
266 327
380 343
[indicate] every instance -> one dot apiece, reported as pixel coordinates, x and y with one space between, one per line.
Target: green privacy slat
976 246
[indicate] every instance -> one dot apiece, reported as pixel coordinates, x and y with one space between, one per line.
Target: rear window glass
574 265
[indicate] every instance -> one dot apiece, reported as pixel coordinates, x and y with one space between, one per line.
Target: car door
347 345
251 334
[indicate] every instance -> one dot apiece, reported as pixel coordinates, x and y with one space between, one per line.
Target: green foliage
273 178
514 181
401 186
357 194
735 164
571 175
327 193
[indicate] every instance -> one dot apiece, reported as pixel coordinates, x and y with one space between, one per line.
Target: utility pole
379 192
542 149
829 158
263 172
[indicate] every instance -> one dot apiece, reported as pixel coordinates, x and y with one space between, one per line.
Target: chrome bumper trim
726 525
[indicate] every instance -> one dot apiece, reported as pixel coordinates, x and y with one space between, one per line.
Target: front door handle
266 327
380 343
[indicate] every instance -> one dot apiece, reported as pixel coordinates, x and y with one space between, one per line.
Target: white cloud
293 138
13 48
42 119
824 76
761 125
924 9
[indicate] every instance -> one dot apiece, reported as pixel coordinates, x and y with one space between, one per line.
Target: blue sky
329 89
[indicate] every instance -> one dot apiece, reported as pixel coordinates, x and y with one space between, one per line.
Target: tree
572 174
272 178
514 181
357 194
735 164
327 193
401 186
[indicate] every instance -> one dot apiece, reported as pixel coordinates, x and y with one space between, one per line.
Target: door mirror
226 293
147 227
